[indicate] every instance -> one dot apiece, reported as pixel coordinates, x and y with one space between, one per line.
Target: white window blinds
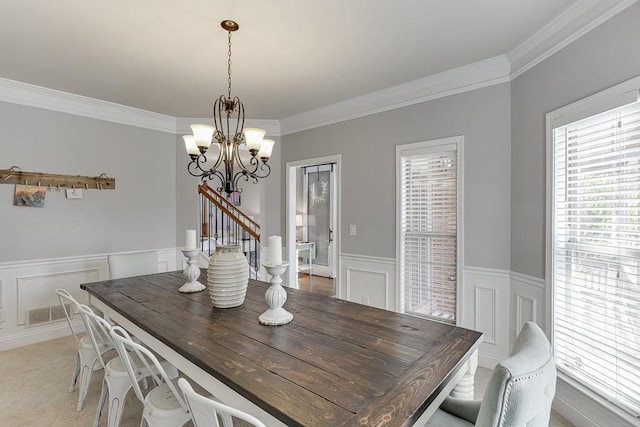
596 253
428 226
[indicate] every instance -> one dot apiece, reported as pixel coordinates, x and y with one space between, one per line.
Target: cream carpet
34 389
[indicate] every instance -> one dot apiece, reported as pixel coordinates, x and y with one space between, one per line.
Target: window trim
402 149
608 99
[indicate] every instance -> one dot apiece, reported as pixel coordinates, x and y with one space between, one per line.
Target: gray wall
602 58
138 214
368 146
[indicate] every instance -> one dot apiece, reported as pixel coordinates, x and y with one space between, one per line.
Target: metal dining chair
206 412
88 354
163 405
132 264
116 382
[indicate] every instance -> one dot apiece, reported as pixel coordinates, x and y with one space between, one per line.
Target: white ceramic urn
228 276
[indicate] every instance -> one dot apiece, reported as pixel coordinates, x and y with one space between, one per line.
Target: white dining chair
205 412
163 405
88 354
132 264
116 382
519 393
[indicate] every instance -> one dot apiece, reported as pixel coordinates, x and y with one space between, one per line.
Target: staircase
224 224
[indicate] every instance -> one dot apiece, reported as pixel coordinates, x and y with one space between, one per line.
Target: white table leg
464 388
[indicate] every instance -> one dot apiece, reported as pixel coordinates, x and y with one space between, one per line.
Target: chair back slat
98 331
132 264
205 411
145 359
66 299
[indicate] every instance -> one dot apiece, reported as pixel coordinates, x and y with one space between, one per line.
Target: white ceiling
289 56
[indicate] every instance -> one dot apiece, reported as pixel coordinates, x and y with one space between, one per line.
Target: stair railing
224 224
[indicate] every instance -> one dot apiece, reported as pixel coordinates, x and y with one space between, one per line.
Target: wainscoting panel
484 307
39 291
528 296
367 288
525 310
29 285
1 304
367 280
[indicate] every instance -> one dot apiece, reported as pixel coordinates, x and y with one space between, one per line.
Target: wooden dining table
337 363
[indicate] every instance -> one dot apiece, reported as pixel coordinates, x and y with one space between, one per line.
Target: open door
319 216
313 219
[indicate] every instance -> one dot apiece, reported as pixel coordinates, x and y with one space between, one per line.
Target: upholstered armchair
519 393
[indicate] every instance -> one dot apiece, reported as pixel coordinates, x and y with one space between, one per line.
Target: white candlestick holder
275 297
191 273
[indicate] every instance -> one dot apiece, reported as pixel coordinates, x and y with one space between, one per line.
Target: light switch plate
74 193
352 229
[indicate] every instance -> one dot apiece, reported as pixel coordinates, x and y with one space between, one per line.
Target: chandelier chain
229 66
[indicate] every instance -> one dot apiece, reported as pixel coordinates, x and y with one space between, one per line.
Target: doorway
313 221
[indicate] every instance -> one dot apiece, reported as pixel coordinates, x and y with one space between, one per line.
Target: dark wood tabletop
337 363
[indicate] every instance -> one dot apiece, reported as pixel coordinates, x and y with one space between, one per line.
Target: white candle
191 239
274 256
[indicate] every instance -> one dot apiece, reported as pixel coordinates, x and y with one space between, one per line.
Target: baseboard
34 336
584 408
488 361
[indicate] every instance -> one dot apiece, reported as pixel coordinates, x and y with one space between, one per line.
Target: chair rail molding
30 285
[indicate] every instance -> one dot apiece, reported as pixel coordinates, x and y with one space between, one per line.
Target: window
428 227
595 245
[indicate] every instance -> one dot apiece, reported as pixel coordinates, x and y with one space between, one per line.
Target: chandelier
231 138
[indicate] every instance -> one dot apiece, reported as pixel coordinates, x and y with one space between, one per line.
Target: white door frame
290 225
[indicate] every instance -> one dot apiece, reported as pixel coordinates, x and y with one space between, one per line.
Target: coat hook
86 186
7 177
38 183
26 182
58 187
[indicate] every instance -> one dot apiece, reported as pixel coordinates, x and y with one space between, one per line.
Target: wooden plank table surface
337 364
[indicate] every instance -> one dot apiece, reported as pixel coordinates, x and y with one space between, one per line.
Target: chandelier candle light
275 296
229 133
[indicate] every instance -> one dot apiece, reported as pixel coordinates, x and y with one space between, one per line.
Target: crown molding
271 126
577 19
580 17
50 99
477 75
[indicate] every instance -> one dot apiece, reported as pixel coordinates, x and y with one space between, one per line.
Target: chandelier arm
220 155
240 120
243 175
195 166
263 167
236 156
212 174
218 109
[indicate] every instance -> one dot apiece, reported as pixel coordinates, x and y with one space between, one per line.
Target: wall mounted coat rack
16 176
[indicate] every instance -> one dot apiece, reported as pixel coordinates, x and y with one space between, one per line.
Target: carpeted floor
34 389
